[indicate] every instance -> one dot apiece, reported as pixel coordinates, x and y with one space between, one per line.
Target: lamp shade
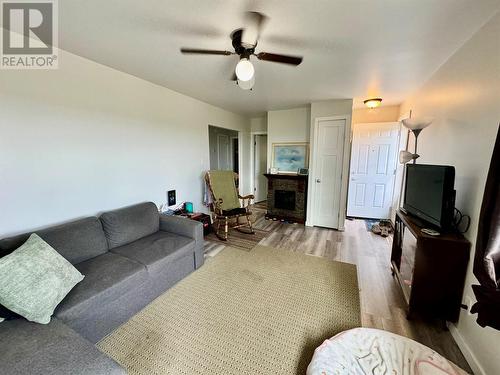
406 156
416 123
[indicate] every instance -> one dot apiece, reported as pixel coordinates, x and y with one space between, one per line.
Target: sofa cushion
128 224
107 277
157 250
34 279
55 349
76 241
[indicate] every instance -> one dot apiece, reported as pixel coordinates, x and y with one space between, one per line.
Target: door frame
346 160
241 138
252 158
396 167
233 162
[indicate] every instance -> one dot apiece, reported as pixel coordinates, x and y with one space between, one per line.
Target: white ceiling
351 48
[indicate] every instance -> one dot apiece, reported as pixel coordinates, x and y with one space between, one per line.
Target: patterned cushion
373 351
34 279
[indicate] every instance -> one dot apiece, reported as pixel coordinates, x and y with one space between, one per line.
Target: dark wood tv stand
431 270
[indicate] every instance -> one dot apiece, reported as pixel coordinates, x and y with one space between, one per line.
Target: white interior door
224 152
373 169
260 167
328 158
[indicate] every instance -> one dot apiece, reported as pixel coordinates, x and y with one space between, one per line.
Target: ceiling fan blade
251 33
205 51
284 59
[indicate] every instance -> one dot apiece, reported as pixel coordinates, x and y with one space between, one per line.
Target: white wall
86 138
287 125
463 97
327 108
389 113
258 124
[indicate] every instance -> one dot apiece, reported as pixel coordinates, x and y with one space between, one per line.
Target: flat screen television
430 193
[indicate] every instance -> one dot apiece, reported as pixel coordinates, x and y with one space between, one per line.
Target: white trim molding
252 158
466 351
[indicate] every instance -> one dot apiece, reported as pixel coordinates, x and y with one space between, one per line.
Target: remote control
430 232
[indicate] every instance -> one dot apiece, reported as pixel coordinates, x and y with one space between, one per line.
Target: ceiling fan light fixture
244 70
246 85
373 102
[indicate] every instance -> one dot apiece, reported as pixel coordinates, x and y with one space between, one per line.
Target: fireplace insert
284 199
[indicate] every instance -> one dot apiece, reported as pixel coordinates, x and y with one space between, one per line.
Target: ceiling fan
244 42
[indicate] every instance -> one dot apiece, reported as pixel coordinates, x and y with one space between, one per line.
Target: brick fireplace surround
287 197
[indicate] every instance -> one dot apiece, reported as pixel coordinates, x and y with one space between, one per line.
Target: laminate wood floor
382 303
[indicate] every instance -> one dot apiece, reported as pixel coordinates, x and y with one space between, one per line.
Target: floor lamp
415 126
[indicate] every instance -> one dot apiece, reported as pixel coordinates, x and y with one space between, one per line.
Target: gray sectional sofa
129 257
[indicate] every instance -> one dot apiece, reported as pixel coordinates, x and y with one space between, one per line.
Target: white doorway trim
241 137
400 168
252 158
233 162
345 169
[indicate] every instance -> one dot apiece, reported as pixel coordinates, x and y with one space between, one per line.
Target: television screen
429 193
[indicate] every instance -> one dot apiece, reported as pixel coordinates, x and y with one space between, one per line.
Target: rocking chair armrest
217 206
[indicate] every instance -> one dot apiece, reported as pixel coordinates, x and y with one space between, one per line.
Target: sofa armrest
54 348
188 228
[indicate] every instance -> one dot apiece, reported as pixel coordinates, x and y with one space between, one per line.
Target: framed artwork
289 157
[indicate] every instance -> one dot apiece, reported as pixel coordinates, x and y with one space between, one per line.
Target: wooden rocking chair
226 205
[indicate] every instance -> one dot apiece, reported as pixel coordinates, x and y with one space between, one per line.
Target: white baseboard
466 351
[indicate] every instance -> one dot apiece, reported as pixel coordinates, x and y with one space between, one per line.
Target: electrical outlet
171 197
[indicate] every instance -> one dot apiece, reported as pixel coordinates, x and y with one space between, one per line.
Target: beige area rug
257 312
245 241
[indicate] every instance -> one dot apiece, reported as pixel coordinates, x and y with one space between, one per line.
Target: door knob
318 180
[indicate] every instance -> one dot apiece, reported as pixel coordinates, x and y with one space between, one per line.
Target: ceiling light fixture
244 70
373 102
246 85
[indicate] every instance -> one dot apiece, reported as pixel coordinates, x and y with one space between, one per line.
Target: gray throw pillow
34 279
